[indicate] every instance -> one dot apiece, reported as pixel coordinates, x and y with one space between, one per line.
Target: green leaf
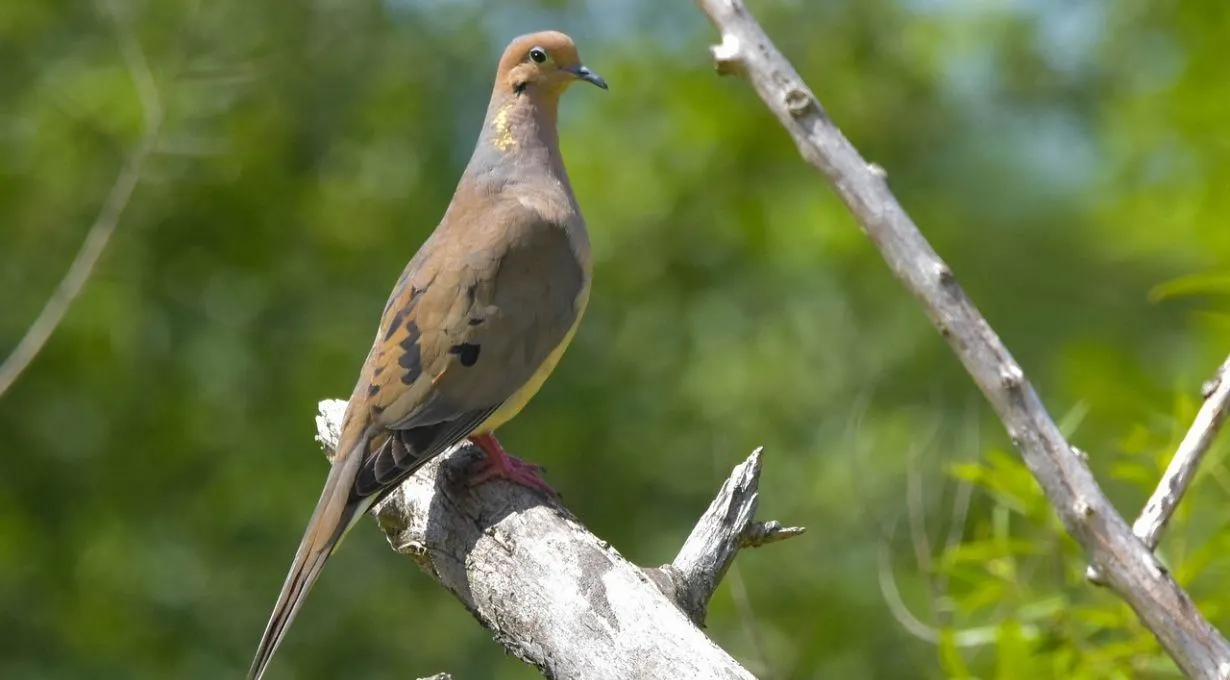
1208 283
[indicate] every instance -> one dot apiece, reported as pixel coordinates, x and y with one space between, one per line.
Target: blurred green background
1070 159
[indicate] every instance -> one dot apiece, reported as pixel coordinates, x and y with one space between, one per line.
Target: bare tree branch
1183 466
553 594
99 235
726 526
1130 567
1182 469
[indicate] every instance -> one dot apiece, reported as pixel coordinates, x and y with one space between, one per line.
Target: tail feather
335 514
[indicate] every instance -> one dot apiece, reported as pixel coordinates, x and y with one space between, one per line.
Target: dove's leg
500 464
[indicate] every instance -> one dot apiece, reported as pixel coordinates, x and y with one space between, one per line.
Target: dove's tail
336 512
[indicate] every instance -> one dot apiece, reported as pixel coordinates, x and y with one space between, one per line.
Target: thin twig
963 638
1183 466
751 627
1182 469
892 595
1131 569
104 226
917 514
960 509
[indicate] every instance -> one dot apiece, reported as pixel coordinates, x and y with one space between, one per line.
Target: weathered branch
691 579
555 595
1129 566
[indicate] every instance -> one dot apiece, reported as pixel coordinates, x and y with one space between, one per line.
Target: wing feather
462 333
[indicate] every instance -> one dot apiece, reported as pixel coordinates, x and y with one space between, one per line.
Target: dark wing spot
398 288
401 286
411 358
475 322
467 352
395 323
373 389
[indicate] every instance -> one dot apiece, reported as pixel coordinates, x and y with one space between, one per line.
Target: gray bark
1127 565
553 594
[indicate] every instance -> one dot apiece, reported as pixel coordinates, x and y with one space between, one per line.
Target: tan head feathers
546 60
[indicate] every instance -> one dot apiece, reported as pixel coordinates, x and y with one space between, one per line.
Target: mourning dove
476 323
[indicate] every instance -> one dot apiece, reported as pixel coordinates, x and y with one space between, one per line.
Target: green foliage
1068 159
1017 572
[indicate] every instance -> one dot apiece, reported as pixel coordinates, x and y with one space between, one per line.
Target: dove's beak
583 73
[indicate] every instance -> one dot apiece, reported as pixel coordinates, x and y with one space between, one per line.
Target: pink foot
499 464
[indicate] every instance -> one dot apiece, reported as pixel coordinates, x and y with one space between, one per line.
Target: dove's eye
538 55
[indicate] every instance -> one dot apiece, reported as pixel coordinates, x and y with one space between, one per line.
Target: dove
476 322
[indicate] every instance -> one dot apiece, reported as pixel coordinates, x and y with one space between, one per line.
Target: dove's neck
519 141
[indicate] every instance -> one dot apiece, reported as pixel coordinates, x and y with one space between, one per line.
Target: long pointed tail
333 517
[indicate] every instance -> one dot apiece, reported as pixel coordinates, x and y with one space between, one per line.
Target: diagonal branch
100 232
1129 567
1182 469
553 594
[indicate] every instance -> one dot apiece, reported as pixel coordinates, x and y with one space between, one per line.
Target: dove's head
543 65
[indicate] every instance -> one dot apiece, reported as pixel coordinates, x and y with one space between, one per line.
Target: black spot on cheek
411 358
466 352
